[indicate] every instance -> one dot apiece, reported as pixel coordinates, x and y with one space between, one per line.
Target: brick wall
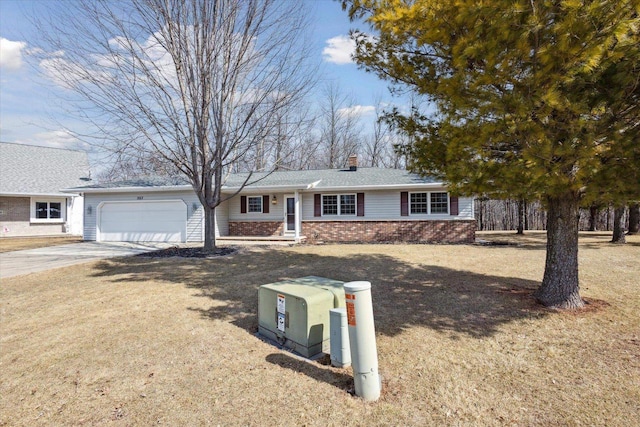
15 209
255 228
461 231
15 213
390 231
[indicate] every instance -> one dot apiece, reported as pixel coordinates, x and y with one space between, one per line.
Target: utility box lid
295 312
336 287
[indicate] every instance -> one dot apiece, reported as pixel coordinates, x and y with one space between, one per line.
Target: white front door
289 214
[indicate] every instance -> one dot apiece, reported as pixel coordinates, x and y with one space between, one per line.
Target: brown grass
142 341
8 244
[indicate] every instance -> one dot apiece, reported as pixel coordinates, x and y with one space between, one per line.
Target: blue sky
30 110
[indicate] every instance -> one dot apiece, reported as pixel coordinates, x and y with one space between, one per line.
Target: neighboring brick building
31 180
336 205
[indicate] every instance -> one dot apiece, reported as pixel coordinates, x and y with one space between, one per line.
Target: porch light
89 210
274 200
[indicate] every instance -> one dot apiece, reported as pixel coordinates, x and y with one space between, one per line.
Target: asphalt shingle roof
29 169
318 179
151 182
331 178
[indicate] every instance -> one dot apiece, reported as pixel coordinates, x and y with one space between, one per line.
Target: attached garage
142 221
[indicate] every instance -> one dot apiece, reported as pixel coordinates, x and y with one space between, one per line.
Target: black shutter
404 203
317 205
243 204
265 204
453 206
360 204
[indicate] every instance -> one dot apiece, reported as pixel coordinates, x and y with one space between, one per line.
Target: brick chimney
353 162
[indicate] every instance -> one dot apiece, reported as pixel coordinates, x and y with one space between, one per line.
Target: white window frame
411 204
249 204
429 193
447 202
48 201
339 204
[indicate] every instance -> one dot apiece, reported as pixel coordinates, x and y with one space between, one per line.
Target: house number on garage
140 197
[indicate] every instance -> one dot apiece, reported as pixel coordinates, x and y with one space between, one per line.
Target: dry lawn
8 244
144 341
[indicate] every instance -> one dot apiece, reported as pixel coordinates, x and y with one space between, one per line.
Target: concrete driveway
33 260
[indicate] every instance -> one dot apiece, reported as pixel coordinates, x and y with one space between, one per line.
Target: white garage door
148 221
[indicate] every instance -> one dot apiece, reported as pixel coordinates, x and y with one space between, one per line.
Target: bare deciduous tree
197 83
339 127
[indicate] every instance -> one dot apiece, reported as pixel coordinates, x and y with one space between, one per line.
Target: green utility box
295 313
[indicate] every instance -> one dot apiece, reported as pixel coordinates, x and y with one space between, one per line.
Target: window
47 210
348 204
439 203
344 204
254 204
419 204
429 203
329 205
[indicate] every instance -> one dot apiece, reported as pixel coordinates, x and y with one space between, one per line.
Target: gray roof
331 179
34 170
140 182
323 179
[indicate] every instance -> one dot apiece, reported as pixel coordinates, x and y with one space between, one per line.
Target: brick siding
433 231
255 228
15 215
15 209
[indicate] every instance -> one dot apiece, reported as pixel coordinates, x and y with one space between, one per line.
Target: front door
290 214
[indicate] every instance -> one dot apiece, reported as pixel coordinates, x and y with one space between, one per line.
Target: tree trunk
593 218
209 229
520 217
618 225
634 218
560 287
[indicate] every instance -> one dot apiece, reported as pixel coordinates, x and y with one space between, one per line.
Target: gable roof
322 179
42 171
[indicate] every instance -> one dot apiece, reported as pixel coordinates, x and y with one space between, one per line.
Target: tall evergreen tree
531 96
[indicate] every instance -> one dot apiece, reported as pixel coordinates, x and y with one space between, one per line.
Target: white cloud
61 138
357 110
11 54
339 50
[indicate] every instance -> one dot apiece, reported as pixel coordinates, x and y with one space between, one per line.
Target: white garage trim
142 221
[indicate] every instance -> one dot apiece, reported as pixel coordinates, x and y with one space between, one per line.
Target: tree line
509 214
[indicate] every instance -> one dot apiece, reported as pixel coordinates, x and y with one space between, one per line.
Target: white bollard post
339 338
362 339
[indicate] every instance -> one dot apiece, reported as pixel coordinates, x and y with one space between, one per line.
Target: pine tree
531 101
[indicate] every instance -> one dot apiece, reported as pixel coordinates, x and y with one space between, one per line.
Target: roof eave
129 189
64 193
384 187
267 188
316 187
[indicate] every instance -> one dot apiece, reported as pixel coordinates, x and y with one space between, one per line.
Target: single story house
348 205
31 181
